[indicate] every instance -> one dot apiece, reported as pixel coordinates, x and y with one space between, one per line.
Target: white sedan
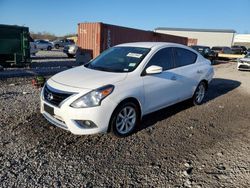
116 89
244 63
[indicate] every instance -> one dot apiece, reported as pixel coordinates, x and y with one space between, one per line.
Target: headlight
93 98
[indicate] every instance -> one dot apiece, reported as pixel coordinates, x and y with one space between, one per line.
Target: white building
242 40
206 37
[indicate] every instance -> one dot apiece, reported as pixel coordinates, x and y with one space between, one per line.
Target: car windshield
119 59
247 56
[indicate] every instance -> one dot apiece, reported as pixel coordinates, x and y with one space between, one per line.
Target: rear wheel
57 46
125 119
199 93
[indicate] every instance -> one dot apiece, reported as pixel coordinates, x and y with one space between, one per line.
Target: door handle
199 71
173 78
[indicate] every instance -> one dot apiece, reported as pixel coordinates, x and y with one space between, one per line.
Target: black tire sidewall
70 56
114 118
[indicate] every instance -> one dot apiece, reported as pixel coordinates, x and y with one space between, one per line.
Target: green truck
14 45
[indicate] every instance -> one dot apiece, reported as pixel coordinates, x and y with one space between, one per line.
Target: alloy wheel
126 120
200 93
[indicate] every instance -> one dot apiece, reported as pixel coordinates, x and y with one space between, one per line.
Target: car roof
199 46
221 47
152 44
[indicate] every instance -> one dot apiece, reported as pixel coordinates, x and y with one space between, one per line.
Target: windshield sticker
131 64
134 55
125 70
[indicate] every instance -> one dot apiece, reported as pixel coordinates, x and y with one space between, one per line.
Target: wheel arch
206 83
128 99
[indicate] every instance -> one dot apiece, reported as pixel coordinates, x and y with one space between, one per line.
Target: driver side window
162 58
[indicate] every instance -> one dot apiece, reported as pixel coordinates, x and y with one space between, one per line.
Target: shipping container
93 38
14 45
192 42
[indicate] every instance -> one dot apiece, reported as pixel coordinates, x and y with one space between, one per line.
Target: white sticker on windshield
134 55
131 64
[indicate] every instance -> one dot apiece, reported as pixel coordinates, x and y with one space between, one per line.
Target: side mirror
153 69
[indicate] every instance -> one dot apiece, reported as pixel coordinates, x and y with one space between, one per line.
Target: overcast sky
61 16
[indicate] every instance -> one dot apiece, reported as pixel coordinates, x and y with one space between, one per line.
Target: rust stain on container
192 41
96 37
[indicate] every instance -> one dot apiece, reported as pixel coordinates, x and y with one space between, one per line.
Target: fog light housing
86 124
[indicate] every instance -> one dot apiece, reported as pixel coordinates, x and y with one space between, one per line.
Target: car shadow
217 88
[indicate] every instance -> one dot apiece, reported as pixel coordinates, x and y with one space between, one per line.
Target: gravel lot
180 146
44 63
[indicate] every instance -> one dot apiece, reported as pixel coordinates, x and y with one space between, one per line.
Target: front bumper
67 117
243 66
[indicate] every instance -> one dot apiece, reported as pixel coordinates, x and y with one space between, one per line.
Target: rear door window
184 57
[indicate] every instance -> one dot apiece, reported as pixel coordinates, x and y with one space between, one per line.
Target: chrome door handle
173 78
199 71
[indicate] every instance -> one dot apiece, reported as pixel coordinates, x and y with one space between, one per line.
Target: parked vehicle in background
70 50
124 83
248 50
244 63
222 50
63 42
43 45
239 49
14 45
206 52
33 49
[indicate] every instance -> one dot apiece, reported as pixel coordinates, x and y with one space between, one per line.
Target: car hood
245 59
81 77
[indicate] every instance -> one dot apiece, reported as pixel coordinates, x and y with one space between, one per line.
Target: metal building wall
204 38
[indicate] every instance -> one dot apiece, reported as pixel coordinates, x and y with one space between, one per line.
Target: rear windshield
217 48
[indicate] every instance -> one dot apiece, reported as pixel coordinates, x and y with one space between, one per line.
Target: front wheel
70 55
199 93
49 48
125 119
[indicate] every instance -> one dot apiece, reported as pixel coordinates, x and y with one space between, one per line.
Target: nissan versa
124 83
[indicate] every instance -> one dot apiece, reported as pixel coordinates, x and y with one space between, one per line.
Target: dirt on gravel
179 146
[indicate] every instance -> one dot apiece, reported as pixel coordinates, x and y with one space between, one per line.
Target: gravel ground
180 146
44 63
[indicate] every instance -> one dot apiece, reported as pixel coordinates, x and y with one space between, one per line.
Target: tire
57 46
70 55
126 125
199 93
49 48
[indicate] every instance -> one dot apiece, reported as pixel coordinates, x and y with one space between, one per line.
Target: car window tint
216 48
162 58
184 57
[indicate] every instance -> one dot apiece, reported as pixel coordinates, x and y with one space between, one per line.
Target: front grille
54 97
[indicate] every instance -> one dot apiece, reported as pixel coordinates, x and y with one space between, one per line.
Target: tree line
48 36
